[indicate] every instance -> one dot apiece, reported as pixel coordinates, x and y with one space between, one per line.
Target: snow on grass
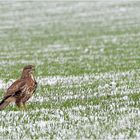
87 61
101 85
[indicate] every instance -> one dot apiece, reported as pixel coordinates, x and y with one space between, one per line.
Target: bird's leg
19 104
24 106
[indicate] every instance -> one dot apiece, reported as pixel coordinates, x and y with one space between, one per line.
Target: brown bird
21 90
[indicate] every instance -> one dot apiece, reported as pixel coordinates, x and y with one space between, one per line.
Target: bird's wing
16 87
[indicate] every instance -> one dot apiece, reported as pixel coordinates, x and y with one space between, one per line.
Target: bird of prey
21 90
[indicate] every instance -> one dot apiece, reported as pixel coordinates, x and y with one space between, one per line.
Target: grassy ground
87 66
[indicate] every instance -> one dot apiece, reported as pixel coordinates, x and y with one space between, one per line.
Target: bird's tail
5 102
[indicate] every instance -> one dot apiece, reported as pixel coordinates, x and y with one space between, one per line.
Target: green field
87 58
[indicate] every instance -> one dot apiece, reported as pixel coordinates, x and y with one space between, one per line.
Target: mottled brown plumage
21 90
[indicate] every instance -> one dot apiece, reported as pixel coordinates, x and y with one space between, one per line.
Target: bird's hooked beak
33 68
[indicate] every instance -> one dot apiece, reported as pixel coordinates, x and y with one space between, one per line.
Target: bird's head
28 70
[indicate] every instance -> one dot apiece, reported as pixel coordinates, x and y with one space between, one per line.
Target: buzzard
21 90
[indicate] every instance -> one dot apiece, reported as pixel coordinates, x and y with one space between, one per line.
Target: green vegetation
87 66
